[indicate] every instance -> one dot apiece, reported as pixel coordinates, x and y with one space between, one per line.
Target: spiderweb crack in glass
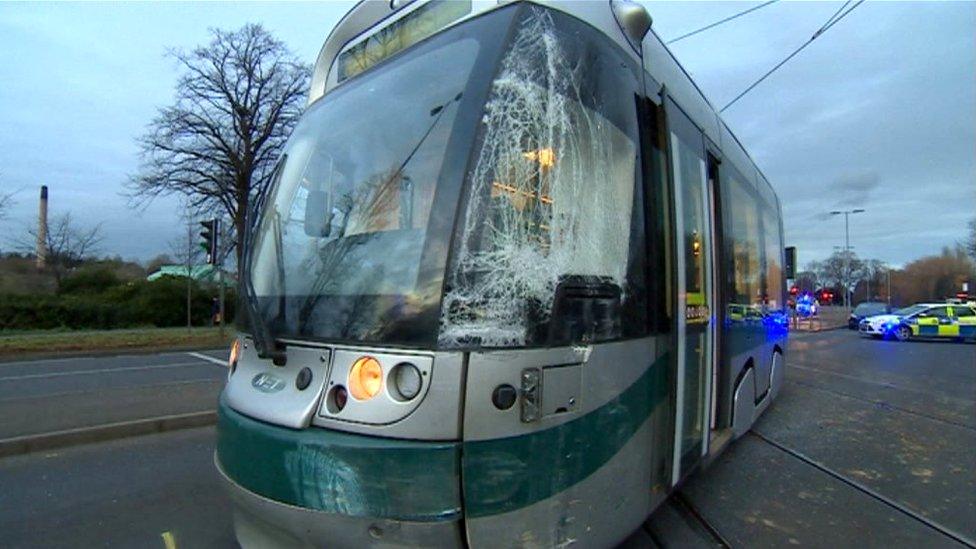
551 195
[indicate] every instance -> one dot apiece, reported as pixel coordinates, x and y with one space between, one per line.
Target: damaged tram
513 282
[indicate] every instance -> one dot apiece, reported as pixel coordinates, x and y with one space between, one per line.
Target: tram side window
745 236
772 260
692 204
551 250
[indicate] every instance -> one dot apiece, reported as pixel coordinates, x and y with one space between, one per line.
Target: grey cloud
855 190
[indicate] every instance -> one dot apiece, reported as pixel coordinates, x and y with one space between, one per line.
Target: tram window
693 203
552 195
350 215
772 262
745 235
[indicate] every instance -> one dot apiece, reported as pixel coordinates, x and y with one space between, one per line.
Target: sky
878 113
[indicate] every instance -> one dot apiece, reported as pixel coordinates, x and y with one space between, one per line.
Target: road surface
40 396
870 443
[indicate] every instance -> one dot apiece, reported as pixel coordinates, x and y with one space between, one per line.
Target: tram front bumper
318 487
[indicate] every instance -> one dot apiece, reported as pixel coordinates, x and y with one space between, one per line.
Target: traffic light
209 233
789 269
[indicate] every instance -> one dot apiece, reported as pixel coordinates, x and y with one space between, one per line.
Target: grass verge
83 341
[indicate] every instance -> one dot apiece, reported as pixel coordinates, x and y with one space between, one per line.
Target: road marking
217 361
101 370
168 540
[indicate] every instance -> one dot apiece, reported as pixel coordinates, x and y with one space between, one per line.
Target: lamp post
847 250
888 293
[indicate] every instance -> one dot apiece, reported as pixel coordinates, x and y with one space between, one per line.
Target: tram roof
658 61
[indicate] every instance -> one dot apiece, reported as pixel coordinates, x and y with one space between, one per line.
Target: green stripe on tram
339 472
502 475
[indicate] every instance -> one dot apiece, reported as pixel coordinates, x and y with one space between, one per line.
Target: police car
935 320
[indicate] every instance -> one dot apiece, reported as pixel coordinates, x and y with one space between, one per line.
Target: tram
513 282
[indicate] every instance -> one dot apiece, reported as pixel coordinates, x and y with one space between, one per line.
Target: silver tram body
514 281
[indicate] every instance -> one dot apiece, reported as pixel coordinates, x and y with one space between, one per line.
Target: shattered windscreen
551 189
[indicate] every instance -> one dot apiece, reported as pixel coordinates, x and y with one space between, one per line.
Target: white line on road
101 371
217 361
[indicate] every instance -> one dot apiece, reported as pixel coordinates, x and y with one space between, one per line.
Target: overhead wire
840 9
717 23
834 19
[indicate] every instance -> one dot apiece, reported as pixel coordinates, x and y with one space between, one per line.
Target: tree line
930 278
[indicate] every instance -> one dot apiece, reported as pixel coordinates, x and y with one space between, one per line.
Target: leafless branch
236 103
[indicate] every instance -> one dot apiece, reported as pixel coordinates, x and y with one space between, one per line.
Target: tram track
692 511
890 503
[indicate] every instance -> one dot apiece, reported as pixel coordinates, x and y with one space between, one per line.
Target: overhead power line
834 19
717 23
840 9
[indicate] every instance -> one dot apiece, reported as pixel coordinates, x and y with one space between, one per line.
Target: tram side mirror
318 221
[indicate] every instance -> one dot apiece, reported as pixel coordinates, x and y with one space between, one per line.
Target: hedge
161 303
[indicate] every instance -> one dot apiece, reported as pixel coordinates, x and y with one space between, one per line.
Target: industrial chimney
42 230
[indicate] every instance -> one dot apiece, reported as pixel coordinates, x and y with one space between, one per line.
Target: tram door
695 345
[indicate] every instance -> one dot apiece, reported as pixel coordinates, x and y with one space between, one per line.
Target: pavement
869 444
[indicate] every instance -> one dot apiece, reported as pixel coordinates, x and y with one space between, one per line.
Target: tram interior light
545 157
235 353
365 378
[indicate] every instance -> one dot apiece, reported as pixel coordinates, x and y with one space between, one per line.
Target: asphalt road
870 443
133 492
41 396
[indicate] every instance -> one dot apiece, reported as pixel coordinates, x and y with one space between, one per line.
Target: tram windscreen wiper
264 339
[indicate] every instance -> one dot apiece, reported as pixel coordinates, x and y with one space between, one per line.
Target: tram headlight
405 382
365 378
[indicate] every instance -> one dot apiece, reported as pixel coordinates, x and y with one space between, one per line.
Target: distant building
200 273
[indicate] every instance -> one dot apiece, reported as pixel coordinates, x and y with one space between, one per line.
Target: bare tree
236 103
842 269
68 245
873 272
970 243
6 200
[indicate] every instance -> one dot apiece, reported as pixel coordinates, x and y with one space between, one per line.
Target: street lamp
847 250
